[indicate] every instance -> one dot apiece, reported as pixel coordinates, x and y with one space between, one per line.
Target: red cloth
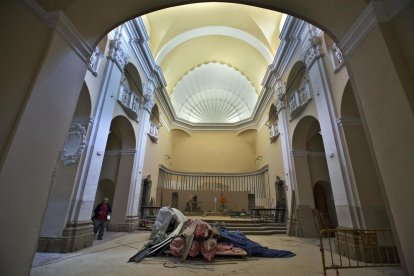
194 249
208 248
224 246
201 230
103 212
177 246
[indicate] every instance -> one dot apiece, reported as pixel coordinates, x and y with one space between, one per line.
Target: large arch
311 169
41 66
371 206
118 165
52 237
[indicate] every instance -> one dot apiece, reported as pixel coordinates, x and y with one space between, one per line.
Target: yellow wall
155 154
213 151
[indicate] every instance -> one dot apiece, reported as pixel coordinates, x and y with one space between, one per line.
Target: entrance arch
312 177
118 165
38 82
371 206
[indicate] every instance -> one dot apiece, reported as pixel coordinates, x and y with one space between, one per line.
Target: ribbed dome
214 93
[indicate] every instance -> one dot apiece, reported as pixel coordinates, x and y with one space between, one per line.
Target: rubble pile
197 237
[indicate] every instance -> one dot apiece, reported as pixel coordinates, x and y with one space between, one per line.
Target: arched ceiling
214 57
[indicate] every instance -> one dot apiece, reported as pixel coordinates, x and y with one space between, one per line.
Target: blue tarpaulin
252 248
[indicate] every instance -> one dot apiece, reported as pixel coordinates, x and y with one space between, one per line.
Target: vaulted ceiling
214 57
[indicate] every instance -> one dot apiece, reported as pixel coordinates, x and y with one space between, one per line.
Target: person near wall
100 217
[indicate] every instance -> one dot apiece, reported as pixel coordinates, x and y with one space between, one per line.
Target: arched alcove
371 204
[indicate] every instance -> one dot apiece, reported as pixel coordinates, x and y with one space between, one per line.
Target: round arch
331 18
133 78
122 128
304 132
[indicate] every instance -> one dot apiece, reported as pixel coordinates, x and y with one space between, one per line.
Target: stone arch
333 22
118 165
132 78
106 188
65 181
310 167
155 115
296 76
272 115
363 174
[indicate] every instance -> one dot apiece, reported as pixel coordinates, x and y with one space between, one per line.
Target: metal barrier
351 248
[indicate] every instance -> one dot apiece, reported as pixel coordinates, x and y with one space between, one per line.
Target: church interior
296 112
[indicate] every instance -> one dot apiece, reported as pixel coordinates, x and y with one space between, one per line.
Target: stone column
282 122
63 183
124 185
28 166
79 224
144 116
312 55
383 89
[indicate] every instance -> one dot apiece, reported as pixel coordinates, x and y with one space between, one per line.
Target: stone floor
110 255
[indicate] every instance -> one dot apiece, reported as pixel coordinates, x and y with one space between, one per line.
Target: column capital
280 102
311 49
118 54
149 90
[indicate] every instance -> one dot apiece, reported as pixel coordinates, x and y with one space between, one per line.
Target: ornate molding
149 96
369 18
94 61
337 58
280 102
74 145
311 50
58 21
118 54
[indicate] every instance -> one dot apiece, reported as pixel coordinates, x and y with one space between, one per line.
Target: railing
255 183
351 248
268 214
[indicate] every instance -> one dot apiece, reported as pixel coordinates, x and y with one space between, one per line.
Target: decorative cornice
280 102
58 21
148 96
311 50
290 40
138 39
369 18
118 54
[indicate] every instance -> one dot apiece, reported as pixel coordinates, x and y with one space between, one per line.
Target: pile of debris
195 237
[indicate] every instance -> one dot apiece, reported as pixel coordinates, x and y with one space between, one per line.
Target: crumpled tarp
163 220
252 248
159 239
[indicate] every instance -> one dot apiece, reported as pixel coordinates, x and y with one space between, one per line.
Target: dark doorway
321 205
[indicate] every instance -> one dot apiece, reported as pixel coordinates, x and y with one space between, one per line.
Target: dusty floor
110 256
